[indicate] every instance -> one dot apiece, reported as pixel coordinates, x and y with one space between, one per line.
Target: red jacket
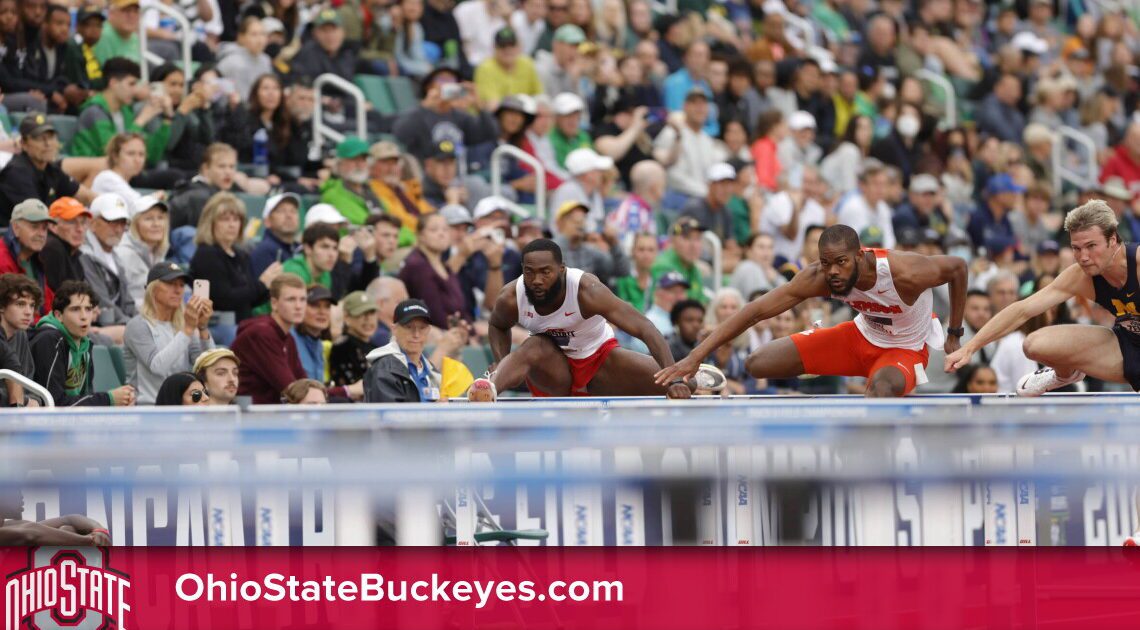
269 360
9 264
1123 166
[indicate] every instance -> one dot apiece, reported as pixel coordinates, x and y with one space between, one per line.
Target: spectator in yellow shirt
507 72
400 200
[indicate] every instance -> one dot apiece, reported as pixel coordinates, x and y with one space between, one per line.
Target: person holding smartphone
167 336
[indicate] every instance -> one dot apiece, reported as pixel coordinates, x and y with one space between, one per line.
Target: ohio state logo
67 587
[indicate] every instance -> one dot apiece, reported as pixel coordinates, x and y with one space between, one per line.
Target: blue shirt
984 226
422 377
312 354
270 250
676 88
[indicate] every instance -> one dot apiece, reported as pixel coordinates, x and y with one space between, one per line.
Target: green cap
570 34
358 303
872 235
32 211
351 147
327 16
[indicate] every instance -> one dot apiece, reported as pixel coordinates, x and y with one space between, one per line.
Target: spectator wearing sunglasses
180 389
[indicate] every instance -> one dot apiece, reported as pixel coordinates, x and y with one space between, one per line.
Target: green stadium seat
65 128
15 118
119 362
403 94
254 204
105 377
477 359
376 92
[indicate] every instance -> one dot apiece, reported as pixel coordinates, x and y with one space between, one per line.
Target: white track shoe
1045 380
709 377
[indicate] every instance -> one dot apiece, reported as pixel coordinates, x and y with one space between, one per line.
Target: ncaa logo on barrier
66 587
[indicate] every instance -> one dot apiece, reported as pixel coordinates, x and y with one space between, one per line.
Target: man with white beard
103 269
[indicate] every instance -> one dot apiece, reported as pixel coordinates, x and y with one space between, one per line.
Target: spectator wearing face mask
901 147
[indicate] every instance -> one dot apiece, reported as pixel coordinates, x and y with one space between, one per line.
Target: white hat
276 200
455 214
801 120
494 203
272 25
775 6
719 172
584 160
924 183
1029 42
323 213
147 202
110 207
827 65
568 103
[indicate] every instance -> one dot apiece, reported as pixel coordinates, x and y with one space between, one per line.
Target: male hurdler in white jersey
887 341
572 350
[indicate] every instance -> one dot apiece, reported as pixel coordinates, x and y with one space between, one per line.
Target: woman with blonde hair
145 244
611 28
166 336
219 260
730 358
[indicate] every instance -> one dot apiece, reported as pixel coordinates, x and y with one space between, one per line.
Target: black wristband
957 332
677 381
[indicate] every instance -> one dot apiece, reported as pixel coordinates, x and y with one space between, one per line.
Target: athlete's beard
850 282
548 297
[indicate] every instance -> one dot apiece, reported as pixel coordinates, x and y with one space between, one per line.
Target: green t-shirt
110 44
563 145
741 219
629 291
669 261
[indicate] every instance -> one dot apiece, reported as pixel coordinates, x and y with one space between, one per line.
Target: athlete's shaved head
841 235
544 245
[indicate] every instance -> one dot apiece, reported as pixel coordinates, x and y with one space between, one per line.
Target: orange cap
67 208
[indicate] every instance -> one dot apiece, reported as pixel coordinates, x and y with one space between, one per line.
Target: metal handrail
951 116
713 240
1061 172
29 384
320 129
529 160
186 31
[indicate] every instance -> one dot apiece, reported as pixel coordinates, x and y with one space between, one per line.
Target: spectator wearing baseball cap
798 148
1033 225
348 359
508 71
348 191
693 77
607 261
120 37
567 134
556 66
282 218
167 336
711 211
685 243
587 171
401 200
671 287
924 206
61 255
81 65
34 173
312 334
218 371
102 267
328 52
686 150
25 239
443 115
992 216
400 371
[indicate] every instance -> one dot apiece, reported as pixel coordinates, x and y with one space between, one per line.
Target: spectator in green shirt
567 133
120 32
682 256
349 191
634 287
111 111
318 255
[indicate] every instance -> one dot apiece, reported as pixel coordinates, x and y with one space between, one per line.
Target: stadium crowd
187 236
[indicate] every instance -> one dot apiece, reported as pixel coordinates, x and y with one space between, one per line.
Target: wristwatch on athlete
957 332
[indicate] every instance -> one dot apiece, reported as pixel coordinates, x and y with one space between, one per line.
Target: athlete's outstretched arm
806 284
30 534
1069 284
503 318
927 272
596 298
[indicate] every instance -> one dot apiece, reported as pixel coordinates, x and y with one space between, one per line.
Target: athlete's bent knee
886 387
1034 345
754 364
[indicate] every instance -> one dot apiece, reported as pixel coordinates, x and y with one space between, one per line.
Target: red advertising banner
627 589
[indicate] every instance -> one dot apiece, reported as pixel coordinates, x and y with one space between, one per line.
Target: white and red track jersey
888 322
578 337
